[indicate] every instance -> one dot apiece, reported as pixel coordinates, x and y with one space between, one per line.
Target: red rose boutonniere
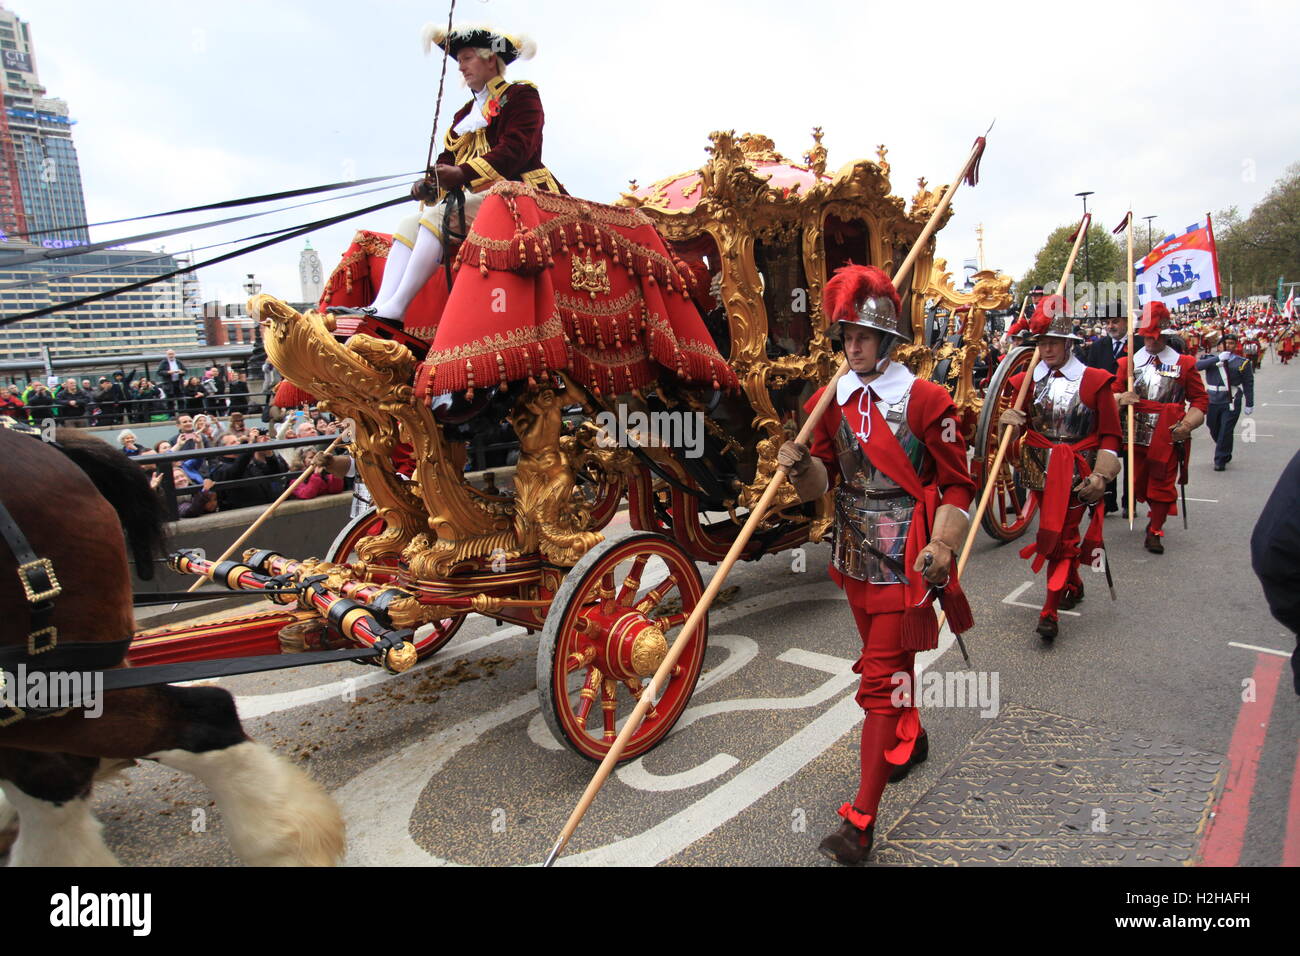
493 108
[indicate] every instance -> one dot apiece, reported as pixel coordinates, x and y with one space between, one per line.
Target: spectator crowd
118 401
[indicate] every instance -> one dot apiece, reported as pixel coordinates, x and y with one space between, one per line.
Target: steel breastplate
1060 415
1154 383
870 507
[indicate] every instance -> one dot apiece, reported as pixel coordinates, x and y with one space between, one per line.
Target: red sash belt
1062 459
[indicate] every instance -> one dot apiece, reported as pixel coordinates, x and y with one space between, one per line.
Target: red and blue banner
1183 269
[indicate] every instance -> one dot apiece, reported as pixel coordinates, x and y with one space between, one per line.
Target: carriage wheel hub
628 644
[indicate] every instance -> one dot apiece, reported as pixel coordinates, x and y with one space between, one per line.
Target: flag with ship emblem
1183 268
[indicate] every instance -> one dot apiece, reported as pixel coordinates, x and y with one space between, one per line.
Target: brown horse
275 814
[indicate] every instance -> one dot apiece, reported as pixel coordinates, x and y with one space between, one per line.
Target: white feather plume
431 35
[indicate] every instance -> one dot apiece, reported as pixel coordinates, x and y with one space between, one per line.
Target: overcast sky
1173 108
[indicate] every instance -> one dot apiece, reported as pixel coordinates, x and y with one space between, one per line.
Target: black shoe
848 845
362 311
1153 542
1071 597
920 751
1219 466
1047 628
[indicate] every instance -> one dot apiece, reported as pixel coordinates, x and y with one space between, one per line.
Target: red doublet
1157 467
890 730
1060 513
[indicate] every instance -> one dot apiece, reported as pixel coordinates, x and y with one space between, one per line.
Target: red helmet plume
850 285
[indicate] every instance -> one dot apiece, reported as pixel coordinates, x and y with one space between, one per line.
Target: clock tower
309 271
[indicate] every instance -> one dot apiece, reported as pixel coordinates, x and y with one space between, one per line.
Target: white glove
1224 356
1249 410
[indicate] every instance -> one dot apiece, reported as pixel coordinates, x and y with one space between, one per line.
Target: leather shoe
920 751
1071 597
1153 543
1047 628
1219 467
848 845
359 310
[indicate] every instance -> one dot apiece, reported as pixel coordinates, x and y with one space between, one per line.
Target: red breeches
882 657
1147 487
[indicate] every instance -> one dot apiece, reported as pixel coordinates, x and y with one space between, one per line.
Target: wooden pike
969 173
1132 352
990 479
270 510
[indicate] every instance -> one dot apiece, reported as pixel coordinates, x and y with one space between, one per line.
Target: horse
73 500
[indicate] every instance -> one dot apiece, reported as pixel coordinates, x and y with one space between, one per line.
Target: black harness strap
69 655
151 598
39 584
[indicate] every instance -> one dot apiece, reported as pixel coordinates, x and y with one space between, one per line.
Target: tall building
311 274
37 157
150 319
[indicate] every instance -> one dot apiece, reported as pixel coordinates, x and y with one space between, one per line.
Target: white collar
1167 356
1072 369
890 386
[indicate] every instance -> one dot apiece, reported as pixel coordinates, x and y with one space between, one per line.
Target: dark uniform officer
1226 399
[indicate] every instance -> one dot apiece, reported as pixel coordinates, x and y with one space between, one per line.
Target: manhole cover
1036 788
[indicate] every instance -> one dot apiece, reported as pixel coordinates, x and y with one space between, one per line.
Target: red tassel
920 629
953 601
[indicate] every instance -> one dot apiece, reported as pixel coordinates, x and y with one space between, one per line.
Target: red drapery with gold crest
550 283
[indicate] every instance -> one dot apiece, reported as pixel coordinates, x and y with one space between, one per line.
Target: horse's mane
125 486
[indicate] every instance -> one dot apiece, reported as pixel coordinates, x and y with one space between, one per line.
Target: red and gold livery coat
509 147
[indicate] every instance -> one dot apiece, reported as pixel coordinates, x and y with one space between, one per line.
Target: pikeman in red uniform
900 517
1068 452
1165 384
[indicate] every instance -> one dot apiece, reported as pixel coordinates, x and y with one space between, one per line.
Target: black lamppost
1149 246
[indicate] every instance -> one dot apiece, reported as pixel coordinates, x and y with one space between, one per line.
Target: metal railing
172 495
119 412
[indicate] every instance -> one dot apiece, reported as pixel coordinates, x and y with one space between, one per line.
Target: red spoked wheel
429 639
364 525
610 626
1011 508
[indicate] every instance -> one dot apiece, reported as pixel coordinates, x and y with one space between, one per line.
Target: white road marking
667 839
379 801
635 775
1206 501
1011 599
842 677
1278 405
740 651
1262 650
